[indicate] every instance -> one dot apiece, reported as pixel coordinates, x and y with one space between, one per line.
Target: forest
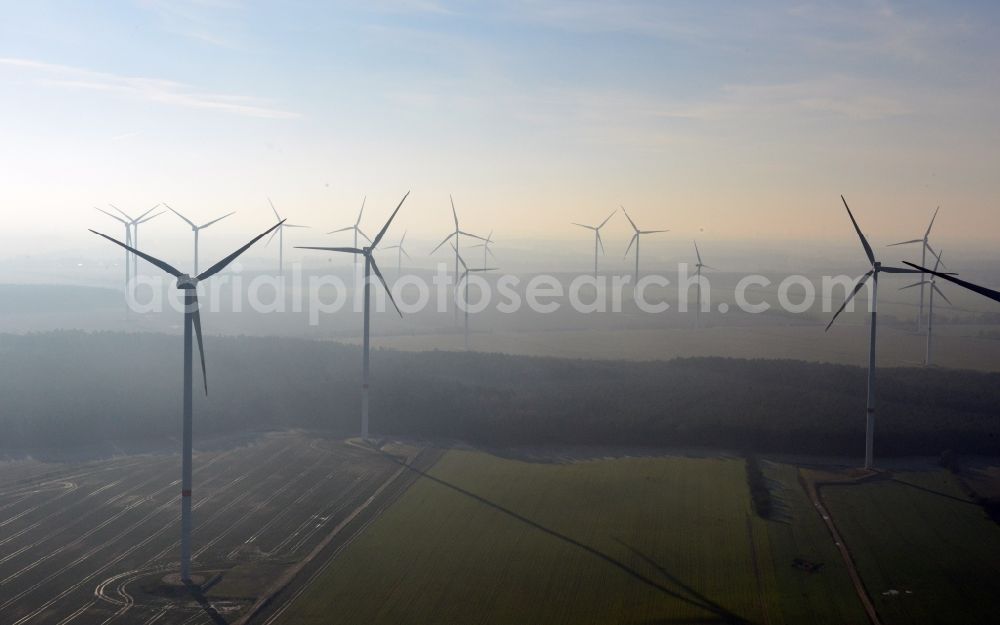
68 389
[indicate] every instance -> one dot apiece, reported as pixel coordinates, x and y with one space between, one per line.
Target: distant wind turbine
400 253
356 228
930 304
458 233
465 276
873 273
281 237
597 237
487 242
192 322
635 239
370 265
975 288
699 267
924 248
196 229
135 221
128 241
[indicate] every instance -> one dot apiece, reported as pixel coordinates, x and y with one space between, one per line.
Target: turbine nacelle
184 281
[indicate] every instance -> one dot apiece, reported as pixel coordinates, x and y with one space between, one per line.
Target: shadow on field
199 595
932 491
721 614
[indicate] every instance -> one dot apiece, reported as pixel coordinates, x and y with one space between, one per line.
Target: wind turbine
873 273
486 247
141 219
281 237
128 258
635 239
924 248
192 322
930 304
990 293
465 277
370 265
457 234
597 237
699 266
400 252
196 229
357 230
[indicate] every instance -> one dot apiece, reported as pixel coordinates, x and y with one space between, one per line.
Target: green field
926 553
633 540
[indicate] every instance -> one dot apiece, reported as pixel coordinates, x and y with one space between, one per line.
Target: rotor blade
453 212
446 239
606 219
931 225
938 291
121 211
216 220
142 221
600 241
697 253
171 209
381 233
864 241
583 226
276 215
362 211
634 227
476 245
268 242
219 266
155 261
703 266
294 226
384 285
910 286
937 255
459 257
652 231
990 293
139 218
367 238
341 230
857 287
352 250
469 234
485 269
630 242
897 270
490 252
389 247
937 262
905 242
196 318
404 252
115 217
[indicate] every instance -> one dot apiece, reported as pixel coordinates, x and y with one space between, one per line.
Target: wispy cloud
157 90
215 22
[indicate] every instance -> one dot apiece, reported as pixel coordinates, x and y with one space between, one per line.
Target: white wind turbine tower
465 277
370 265
635 239
400 253
356 228
930 303
458 233
597 237
873 273
196 229
192 323
924 248
141 219
281 237
487 242
698 267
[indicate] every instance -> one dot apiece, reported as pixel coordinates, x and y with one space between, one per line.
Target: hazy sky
743 119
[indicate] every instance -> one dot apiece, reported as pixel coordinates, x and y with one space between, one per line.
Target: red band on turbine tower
185 493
